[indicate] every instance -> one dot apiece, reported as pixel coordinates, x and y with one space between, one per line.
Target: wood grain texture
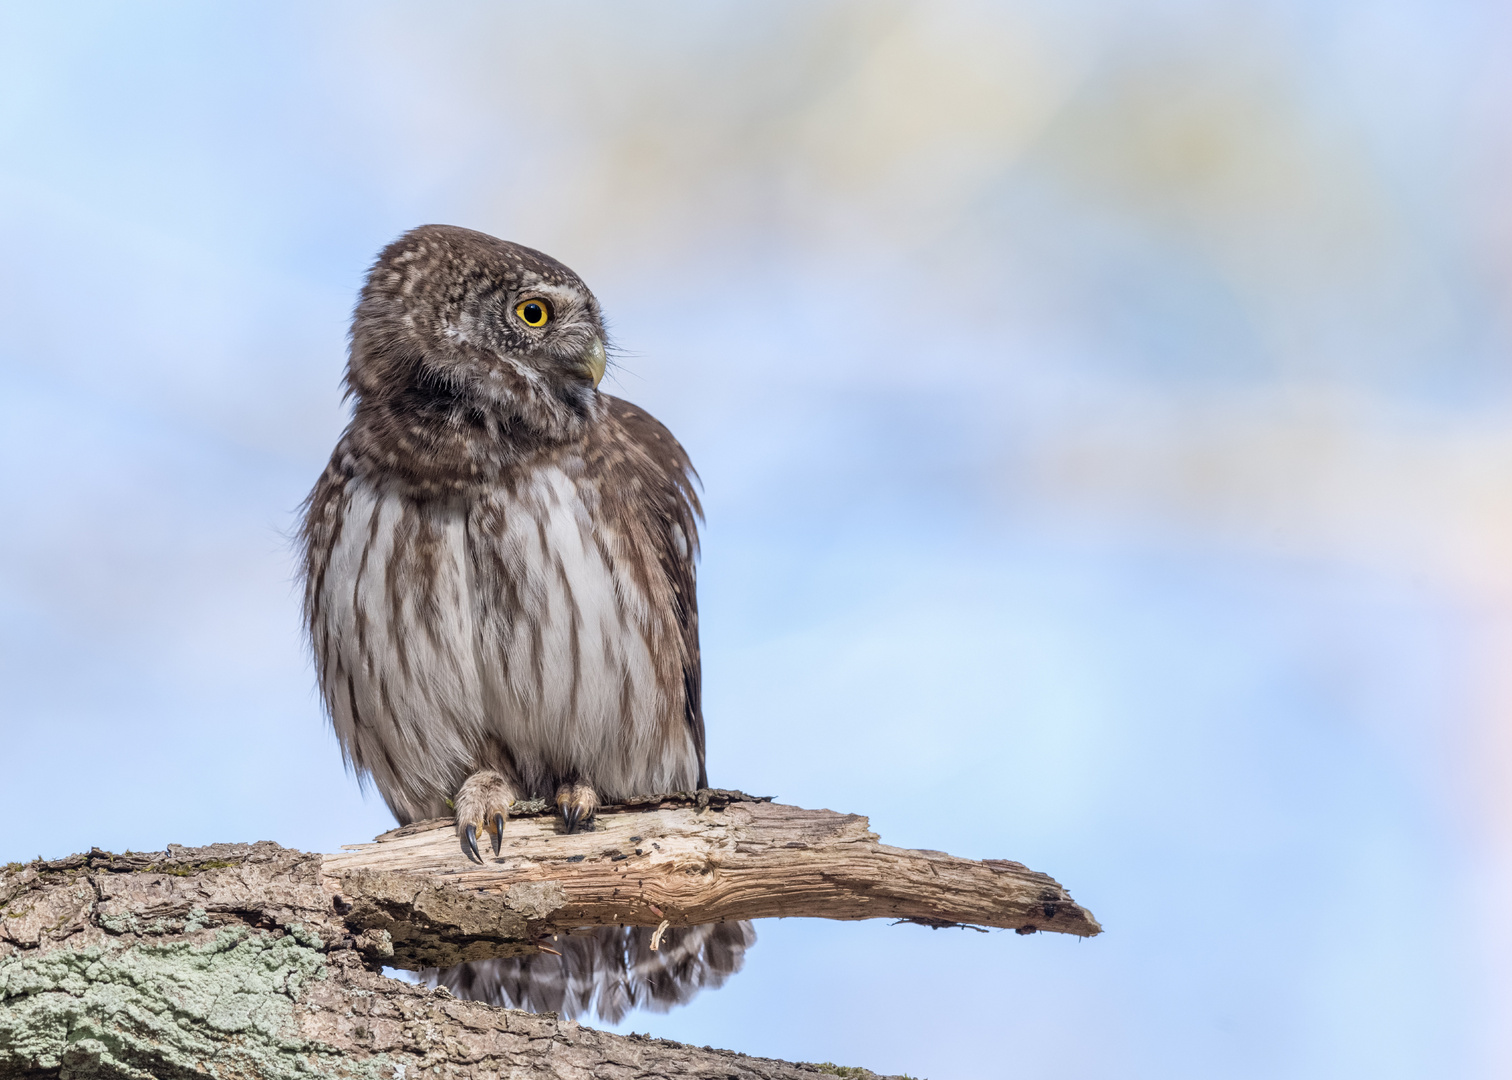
685 860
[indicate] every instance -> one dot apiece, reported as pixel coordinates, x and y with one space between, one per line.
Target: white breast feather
599 714
406 701
426 699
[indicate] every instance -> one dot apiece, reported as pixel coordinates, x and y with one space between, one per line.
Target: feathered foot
482 806
578 802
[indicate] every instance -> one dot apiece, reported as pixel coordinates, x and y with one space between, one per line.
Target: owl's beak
594 360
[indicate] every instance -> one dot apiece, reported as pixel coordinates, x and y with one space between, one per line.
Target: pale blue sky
1104 421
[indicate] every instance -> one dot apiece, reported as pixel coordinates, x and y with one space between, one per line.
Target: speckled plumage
499 558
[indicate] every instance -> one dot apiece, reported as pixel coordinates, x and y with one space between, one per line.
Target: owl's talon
578 803
482 805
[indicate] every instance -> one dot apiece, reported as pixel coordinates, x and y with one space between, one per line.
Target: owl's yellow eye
533 312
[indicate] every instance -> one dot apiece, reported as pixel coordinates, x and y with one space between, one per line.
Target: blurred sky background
1105 414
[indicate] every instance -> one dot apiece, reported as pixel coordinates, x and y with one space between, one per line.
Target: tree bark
241 960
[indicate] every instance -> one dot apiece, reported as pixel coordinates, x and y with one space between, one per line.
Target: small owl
499 585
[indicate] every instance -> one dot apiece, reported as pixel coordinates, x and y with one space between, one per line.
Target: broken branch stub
257 961
414 899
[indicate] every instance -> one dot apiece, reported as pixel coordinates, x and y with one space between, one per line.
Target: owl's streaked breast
506 622
563 634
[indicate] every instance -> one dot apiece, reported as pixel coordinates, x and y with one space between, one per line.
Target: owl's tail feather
611 969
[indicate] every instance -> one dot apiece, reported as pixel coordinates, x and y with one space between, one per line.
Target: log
253 960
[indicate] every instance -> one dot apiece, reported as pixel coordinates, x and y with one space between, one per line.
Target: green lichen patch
184 869
163 1010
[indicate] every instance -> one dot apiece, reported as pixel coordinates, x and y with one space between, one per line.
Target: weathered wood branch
261 961
683 859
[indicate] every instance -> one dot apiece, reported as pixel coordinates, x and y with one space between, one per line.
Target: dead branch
257 961
682 859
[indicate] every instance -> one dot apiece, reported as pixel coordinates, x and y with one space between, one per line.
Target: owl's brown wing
668 505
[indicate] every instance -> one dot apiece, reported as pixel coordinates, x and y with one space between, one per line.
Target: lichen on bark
150 1010
235 961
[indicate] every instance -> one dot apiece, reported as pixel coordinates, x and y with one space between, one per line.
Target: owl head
453 316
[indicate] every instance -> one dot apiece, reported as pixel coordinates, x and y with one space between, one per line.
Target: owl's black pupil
533 313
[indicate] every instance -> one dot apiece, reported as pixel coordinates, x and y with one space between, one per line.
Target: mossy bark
234 961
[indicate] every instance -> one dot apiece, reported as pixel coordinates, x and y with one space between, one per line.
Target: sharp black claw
498 836
570 816
470 844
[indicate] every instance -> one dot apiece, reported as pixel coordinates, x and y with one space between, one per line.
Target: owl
499 586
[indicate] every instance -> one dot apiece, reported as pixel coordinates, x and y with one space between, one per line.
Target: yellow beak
594 360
